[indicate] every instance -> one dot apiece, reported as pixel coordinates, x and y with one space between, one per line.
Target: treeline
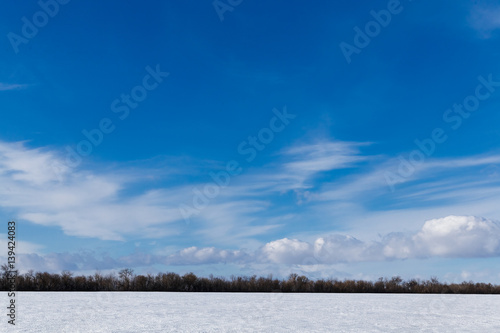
128 281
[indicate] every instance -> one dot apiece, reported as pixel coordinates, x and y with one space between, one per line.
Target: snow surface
238 312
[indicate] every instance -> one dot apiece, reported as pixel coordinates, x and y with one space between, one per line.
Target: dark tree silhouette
127 281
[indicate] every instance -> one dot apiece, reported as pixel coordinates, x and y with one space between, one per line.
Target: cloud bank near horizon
448 237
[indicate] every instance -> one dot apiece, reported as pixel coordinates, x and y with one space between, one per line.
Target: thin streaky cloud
485 20
12 86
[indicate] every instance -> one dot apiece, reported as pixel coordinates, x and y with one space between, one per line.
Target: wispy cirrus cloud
12 86
249 207
436 175
38 188
100 203
485 19
306 160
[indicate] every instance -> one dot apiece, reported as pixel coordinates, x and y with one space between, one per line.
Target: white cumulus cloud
451 236
286 251
459 236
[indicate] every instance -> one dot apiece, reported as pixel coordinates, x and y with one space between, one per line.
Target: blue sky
249 138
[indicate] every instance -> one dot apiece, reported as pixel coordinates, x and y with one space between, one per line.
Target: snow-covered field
224 312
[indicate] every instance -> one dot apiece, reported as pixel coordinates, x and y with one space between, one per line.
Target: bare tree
125 275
